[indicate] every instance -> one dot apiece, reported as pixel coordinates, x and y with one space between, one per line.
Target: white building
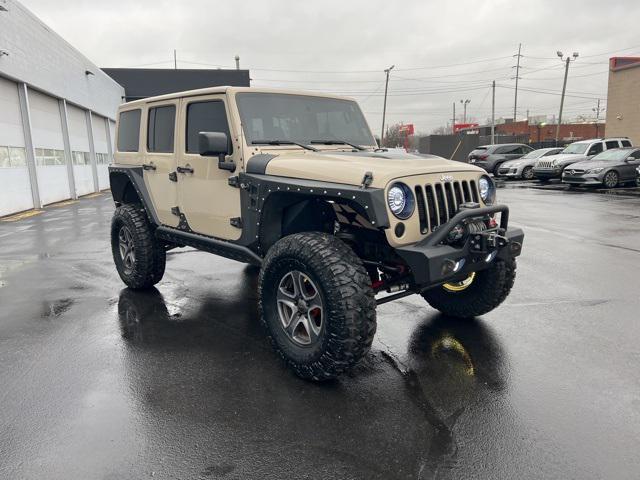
57 112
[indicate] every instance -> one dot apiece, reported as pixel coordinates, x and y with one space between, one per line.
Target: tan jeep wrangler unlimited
294 182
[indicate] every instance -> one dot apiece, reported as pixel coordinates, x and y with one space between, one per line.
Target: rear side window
626 143
209 116
129 131
595 148
612 144
160 132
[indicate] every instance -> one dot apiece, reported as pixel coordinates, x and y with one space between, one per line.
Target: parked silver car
523 166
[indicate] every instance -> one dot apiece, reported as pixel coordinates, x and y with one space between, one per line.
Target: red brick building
546 132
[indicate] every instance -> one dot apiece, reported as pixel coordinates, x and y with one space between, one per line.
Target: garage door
15 187
102 150
79 143
51 164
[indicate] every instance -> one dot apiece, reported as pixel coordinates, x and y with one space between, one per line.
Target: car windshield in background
613 155
534 154
576 148
303 119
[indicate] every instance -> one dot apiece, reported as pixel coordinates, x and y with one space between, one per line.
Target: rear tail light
483 157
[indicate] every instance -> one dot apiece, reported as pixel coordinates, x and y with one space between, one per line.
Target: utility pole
237 62
493 112
453 120
597 110
464 105
175 60
384 108
564 88
517 67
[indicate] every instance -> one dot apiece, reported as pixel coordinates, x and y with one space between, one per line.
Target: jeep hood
564 158
350 167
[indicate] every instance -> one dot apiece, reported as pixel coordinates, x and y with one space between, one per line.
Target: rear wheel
317 304
527 173
611 179
140 259
475 295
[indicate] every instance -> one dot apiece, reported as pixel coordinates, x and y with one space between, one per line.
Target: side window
636 155
161 129
504 150
611 144
595 149
626 143
551 152
129 131
208 116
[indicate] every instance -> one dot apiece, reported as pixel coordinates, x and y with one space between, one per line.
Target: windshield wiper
337 142
283 142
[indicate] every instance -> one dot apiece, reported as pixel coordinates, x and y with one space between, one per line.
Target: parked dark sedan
609 168
490 157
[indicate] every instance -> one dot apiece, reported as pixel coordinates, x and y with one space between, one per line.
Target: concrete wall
623 100
45 61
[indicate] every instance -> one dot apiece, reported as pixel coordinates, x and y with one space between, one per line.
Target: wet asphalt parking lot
99 382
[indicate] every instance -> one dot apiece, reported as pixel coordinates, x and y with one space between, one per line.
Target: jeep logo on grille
446 178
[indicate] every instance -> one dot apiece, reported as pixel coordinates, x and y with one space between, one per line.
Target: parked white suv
553 165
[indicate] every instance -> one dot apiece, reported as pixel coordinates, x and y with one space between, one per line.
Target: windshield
300 118
534 154
613 155
576 148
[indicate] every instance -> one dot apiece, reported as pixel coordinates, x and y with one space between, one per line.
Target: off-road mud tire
349 324
489 289
150 255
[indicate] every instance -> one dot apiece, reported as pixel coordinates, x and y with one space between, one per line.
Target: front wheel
475 295
317 304
527 173
611 179
140 259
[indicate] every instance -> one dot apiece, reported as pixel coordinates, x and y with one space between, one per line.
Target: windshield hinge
236 222
367 180
173 176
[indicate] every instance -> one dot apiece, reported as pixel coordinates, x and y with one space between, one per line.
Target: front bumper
509 172
546 173
432 262
591 179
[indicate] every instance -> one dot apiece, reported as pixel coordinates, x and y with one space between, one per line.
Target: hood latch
367 180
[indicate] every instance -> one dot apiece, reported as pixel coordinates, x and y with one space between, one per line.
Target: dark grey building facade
148 82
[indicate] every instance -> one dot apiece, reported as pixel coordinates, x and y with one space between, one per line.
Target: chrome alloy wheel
300 308
127 249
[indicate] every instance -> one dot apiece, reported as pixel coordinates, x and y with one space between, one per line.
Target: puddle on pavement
56 308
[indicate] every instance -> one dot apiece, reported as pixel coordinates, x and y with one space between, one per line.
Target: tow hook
482 242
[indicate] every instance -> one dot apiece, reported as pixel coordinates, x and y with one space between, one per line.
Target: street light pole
453 120
384 108
564 89
493 113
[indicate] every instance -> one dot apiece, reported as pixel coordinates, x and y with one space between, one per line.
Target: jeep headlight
595 170
487 190
400 200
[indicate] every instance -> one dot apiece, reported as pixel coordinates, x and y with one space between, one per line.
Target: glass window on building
49 157
81 158
18 156
102 158
5 161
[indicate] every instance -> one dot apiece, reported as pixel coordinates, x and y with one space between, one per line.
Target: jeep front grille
439 202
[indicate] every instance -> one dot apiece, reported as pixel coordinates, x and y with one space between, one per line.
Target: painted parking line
21 216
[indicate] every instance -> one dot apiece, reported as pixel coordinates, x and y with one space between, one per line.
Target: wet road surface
99 382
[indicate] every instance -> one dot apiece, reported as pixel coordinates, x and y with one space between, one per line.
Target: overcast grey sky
443 51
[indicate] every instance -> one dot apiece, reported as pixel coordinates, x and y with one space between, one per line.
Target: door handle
186 169
148 166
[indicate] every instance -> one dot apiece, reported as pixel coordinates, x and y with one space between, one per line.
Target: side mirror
211 144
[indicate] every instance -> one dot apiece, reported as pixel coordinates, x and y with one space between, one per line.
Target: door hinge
173 176
175 211
234 181
236 222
